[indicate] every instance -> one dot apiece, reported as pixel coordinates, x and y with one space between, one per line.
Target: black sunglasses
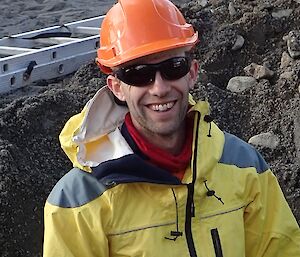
144 74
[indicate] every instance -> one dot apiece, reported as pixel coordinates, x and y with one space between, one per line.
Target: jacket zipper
188 221
216 241
190 208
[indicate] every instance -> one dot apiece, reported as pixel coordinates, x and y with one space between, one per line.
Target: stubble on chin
151 129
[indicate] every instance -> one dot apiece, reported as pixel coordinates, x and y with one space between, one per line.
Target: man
156 177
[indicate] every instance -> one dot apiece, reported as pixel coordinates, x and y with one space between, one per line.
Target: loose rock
282 13
258 71
231 9
203 3
293 43
288 75
267 139
297 135
238 43
286 60
240 83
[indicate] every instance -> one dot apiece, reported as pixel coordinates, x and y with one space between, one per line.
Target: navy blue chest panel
132 168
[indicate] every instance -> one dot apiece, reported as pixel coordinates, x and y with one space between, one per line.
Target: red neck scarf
175 164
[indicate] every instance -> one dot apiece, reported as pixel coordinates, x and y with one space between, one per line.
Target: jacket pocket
217 242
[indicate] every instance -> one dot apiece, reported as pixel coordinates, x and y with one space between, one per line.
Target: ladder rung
86 30
9 50
55 40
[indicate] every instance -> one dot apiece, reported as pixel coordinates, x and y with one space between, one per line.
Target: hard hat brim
154 47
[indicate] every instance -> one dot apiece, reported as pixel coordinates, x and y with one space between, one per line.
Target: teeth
170 105
162 107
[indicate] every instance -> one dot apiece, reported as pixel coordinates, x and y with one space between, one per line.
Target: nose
160 87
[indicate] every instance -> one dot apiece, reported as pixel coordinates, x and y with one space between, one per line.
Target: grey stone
231 9
239 42
258 71
282 13
267 139
195 8
293 43
287 75
240 83
286 60
297 136
203 3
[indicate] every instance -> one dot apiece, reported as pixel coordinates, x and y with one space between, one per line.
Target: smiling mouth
161 107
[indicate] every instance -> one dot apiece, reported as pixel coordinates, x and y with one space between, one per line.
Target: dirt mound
20 17
232 36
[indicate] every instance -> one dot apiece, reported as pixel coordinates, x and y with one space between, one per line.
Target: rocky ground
257 43
21 16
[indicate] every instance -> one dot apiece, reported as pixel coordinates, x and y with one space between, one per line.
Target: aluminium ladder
47 53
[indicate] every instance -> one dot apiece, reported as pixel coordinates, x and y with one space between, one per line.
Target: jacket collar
94 136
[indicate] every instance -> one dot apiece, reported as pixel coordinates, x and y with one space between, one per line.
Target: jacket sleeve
74 232
77 217
271 230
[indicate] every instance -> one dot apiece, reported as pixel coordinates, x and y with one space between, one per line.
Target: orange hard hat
135 28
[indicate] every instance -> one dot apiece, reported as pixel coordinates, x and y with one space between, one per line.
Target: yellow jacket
114 203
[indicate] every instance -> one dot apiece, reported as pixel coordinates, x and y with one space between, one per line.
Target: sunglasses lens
144 74
139 75
175 68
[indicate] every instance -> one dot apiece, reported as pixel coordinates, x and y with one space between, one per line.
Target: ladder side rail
68 27
45 72
90 22
35 43
17 42
31 61
61 59
8 50
30 34
52 52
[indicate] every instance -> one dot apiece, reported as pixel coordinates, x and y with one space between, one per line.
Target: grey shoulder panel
241 154
75 189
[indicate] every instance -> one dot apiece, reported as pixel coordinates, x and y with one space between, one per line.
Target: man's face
158 109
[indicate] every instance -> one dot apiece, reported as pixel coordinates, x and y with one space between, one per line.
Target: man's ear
114 85
193 73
